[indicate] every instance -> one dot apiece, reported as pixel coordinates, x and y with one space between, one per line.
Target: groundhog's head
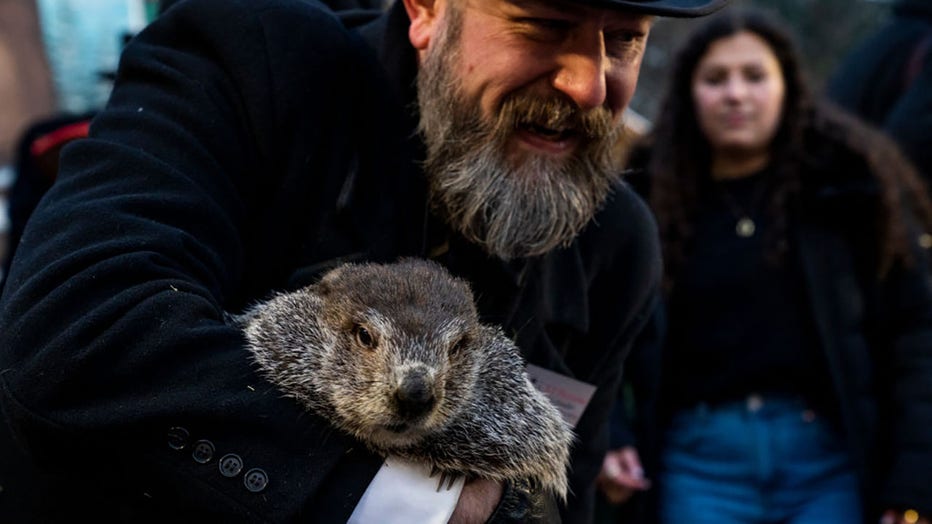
402 363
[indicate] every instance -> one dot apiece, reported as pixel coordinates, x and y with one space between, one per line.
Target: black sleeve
905 375
118 374
624 254
634 416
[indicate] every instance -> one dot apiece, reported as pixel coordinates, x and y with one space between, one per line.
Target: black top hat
677 8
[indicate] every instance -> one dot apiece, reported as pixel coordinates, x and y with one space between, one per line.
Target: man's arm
119 373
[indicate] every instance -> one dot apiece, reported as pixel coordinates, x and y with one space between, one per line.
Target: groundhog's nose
415 395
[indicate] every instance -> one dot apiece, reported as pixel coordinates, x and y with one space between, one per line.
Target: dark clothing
248 146
743 321
887 80
36 166
874 335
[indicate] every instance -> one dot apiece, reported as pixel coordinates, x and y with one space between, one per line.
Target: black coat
248 146
876 335
887 80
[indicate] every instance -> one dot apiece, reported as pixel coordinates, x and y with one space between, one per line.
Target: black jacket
887 80
248 146
876 334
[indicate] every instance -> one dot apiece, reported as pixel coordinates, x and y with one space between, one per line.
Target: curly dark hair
677 156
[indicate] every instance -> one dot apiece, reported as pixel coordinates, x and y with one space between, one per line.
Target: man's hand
478 500
621 475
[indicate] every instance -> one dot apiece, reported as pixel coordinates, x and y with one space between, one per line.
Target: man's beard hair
510 210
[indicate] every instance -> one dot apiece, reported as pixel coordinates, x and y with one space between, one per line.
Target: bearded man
250 145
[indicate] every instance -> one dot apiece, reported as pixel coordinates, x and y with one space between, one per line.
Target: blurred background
54 53
56 57
826 30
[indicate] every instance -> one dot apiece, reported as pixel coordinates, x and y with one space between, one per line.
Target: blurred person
83 41
887 80
63 54
26 89
35 166
795 382
249 146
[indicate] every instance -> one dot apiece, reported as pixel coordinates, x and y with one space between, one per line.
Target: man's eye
621 37
620 43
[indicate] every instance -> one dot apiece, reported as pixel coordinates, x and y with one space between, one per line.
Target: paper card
569 395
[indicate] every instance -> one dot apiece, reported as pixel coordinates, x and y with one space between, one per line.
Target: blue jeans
763 460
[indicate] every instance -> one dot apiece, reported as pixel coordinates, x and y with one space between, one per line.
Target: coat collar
388 36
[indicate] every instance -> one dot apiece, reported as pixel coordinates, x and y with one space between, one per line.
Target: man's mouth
547 139
548 133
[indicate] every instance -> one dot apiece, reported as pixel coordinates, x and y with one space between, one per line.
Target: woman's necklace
745 227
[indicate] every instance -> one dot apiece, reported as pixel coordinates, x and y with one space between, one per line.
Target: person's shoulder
637 164
281 43
623 231
290 18
624 209
626 202
621 256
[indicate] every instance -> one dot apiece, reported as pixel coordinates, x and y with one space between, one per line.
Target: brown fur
395 355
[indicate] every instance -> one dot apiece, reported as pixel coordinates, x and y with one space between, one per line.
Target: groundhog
395 355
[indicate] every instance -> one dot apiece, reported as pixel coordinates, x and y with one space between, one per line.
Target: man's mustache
555 114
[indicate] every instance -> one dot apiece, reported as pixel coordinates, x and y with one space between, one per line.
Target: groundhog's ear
330 277
466 289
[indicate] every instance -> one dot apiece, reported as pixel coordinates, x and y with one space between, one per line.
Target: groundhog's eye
363 337
459 345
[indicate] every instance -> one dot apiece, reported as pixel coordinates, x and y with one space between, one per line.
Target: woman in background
796 384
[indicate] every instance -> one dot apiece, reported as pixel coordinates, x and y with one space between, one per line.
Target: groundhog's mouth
402 431
400 427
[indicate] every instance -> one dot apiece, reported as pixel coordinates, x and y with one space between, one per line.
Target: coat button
203 451
256 480
230 465
178 438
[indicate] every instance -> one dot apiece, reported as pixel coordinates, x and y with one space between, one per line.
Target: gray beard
510 210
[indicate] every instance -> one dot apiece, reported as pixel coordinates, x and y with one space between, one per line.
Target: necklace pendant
745 227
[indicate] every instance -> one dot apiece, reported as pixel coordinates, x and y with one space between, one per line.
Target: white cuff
403 492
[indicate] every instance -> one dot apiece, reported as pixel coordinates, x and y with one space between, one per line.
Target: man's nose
581 73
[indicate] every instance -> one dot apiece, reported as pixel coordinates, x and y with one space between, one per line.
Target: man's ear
424 15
